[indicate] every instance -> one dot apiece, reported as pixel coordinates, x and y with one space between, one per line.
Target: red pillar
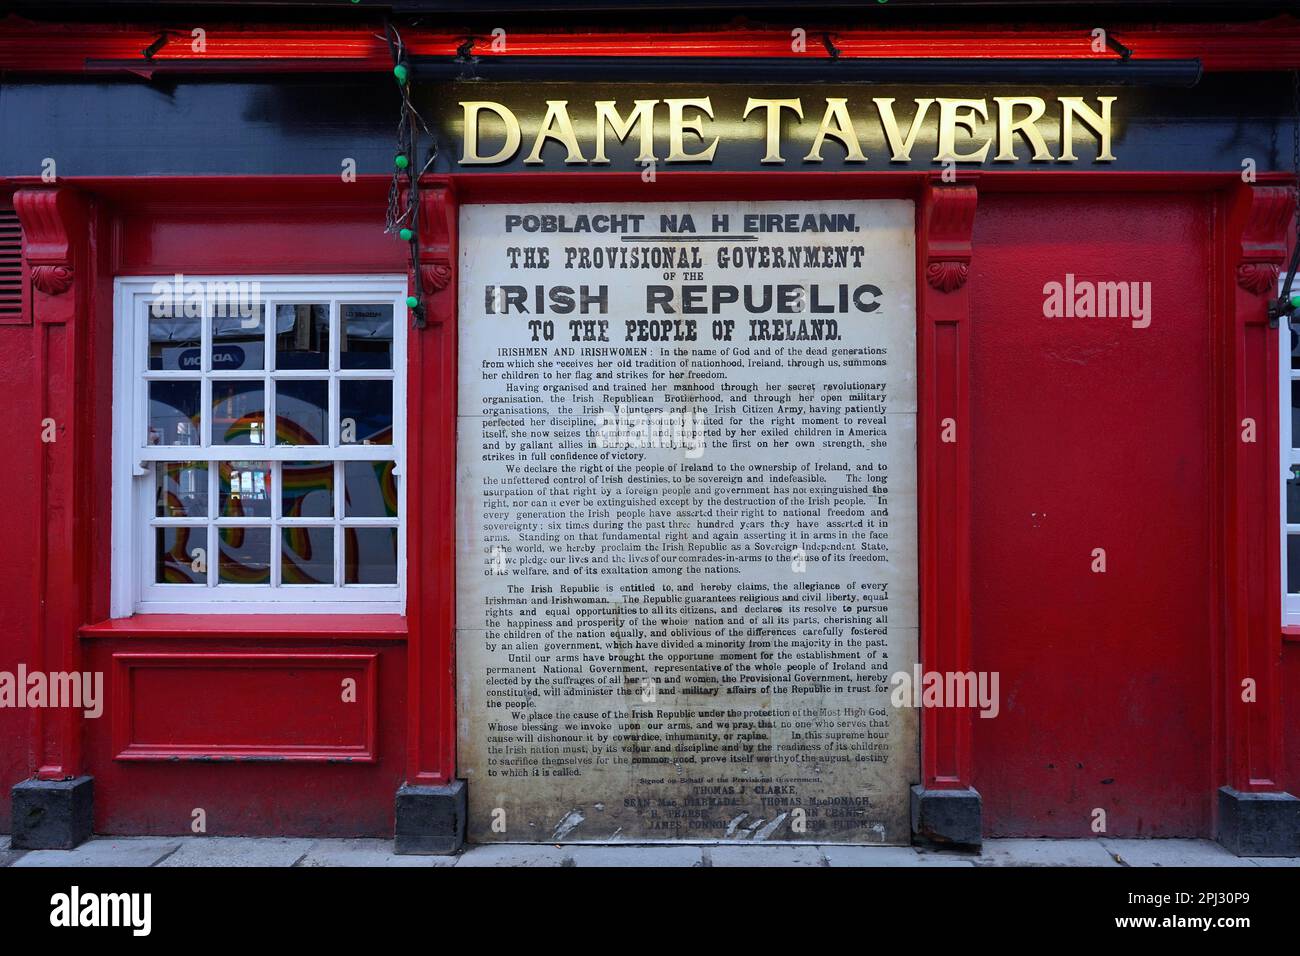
55 226
947 220
1258 224
1255 816
431 490
945 809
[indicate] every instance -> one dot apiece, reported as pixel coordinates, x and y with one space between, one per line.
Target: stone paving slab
904 856
1274 860
238 851
284 852
366 853
1172 853
655 856
787 855
104 851
1044 853
7 856
516 854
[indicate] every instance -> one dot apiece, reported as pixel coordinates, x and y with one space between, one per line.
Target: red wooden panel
255 226
1090 433
244 707
261 797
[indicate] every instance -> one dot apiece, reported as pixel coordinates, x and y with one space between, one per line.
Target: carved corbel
1263 238
48 217
439 212
950 219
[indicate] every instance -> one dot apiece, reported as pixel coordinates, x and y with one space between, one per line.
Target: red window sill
316 627
1291 634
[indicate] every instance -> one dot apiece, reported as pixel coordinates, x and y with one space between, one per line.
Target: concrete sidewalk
285 852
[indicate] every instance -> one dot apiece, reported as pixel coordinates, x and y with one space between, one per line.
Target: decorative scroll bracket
48 217
1263 238
436 257
951 218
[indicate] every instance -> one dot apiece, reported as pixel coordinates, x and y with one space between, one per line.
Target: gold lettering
1008 126
643 112
836 109
950 119
773 108
677 125
556 125
470 154
1072 106
901 149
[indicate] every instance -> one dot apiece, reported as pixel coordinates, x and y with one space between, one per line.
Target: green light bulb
400 161
400 72
412 302
406 234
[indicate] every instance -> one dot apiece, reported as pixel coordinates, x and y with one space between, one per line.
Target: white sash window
259 444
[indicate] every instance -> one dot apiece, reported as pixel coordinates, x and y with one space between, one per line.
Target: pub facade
875 424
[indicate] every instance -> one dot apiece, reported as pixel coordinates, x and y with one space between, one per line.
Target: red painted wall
1092 434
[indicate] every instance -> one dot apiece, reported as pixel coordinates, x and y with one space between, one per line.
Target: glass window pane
239 337
245 489
1295 414
302 336
175 339
181 489
180 555
173 413
306 555
238 413
370 555
307 489
367 336
369 489
365 413
1293 563
245 556
1293 496
301 410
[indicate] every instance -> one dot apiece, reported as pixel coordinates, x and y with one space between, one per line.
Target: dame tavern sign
689 129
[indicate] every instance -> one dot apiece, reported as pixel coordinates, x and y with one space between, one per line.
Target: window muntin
260 463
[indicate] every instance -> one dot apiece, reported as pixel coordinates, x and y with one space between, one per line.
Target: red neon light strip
28 47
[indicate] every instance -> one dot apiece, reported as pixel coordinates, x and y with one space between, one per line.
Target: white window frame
1289 456
133 589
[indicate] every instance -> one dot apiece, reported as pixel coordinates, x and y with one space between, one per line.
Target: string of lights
403 214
